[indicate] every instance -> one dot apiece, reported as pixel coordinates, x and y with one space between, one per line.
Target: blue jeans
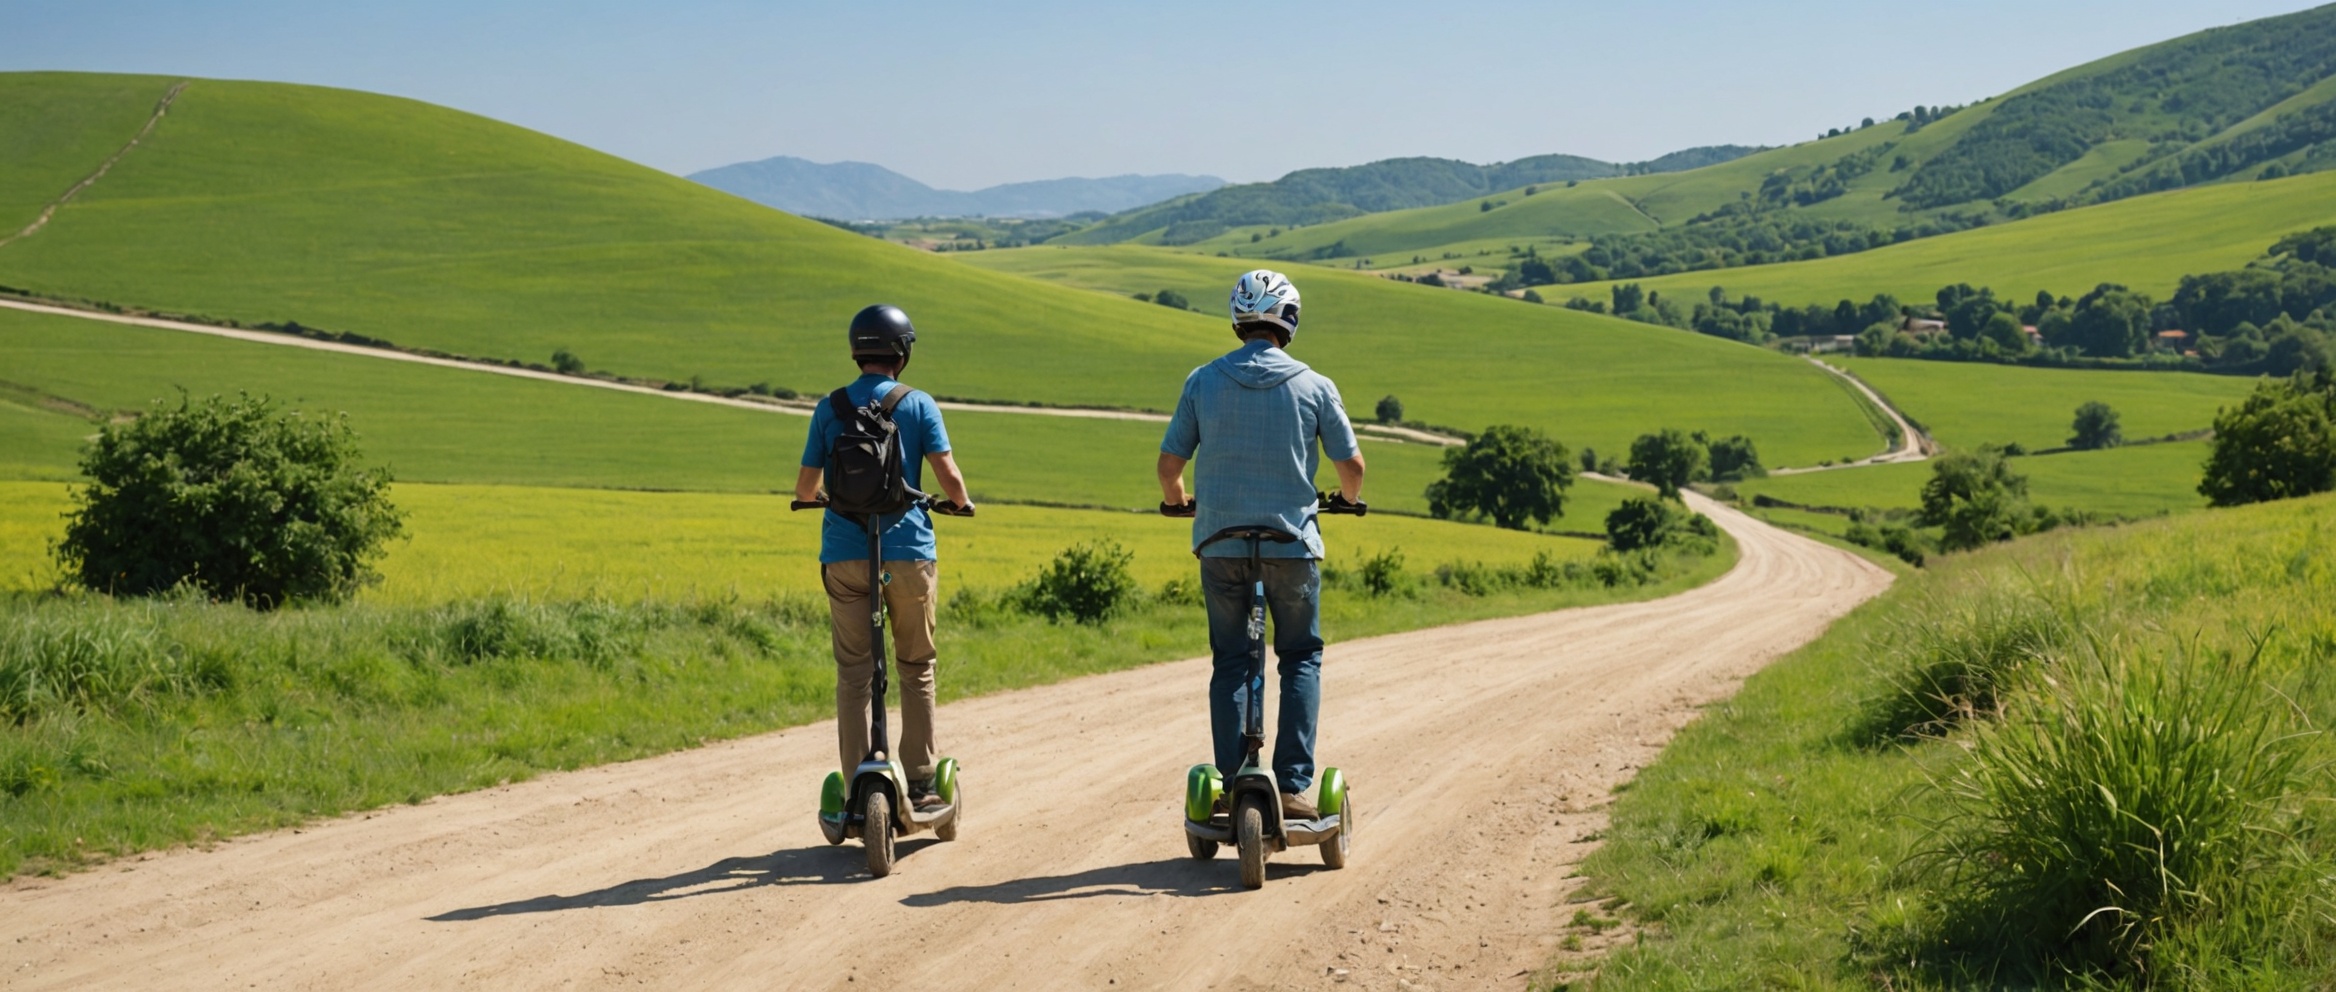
1293 598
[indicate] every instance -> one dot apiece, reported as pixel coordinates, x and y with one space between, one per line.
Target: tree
1628 297
2110 322
1975 499
1390 409
1668 459
2280 442
2095 427
230 496
1640 524
2004 330
1171 299
1734 459
565 362
1508 473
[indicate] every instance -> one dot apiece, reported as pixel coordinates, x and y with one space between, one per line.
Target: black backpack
863 468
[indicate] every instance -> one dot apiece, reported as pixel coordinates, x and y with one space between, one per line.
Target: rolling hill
435 229
2227 105
856 191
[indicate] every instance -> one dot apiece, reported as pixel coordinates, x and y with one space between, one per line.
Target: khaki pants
909 597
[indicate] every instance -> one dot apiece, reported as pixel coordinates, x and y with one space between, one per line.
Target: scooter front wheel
1249 838
947 830
1334 849
876 833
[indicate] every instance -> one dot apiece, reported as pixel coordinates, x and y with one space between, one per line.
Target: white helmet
1266 297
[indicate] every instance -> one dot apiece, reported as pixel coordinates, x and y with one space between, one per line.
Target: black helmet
882 330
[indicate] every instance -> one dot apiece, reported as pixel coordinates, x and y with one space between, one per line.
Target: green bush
1087 583
2095 427
1642 524
232 497
1668 460
1955 660
1382 573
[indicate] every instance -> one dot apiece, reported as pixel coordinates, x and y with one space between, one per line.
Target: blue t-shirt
1253 418
908 535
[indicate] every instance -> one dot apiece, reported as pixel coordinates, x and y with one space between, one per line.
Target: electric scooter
874 804
1250 815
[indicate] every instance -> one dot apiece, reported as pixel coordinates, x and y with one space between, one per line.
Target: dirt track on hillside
1480 757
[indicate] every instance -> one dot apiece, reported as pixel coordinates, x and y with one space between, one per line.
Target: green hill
2147 242
1468 360
2232 104
432 228
1314 196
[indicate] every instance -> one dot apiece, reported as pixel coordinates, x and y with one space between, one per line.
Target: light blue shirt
908 535
1249 422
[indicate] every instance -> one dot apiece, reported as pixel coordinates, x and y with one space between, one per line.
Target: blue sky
963 95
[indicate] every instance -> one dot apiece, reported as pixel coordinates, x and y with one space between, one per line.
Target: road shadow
822 865
1168 877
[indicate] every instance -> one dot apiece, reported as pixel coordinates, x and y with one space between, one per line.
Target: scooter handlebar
1337 503
1186 509
946 508
807 504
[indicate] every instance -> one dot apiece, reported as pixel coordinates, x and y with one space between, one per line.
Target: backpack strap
840 404
892 399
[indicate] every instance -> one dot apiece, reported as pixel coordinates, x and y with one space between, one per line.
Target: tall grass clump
1955 658
2145 797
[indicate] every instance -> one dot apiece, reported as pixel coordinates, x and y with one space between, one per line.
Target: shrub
1171 299
1641 524
232 497
2142 797
566 362
1734 458
1087 583
1183 590
1509 473
2279 443
1390 410
1382 573
1896 538
1976 499
2095 427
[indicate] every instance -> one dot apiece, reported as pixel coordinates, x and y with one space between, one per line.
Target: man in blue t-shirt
1252 419
881 336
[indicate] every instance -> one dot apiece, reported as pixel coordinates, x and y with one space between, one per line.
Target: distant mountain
1315 196
860 191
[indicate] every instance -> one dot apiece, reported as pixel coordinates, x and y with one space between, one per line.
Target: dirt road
1480 756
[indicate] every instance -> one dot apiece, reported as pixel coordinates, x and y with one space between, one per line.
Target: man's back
1253 417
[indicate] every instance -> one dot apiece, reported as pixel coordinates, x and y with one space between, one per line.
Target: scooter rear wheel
876 833
1334 849
1202 848
1249 837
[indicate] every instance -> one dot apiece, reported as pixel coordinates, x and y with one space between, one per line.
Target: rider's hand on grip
950 508
807 504
1338 503
1184 509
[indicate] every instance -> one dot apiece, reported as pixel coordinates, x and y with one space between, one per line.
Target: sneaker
1295 807
923 798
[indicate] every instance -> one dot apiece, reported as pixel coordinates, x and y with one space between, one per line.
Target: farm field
470 541
1467 360
441 425
1965 404
2148 243
2131 481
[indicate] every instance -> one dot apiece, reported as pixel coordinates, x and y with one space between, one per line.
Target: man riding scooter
1249 423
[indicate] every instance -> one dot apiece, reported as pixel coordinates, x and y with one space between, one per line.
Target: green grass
1769 845
1468 360
433 228
467 541
2147 242
2132 481
1966 405
55 128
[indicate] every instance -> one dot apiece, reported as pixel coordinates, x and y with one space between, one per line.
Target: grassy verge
128 726
2084 760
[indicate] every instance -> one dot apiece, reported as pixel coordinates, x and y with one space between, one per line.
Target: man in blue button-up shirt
1250 422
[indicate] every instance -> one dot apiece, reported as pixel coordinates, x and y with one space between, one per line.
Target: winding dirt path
1481 756
1912 445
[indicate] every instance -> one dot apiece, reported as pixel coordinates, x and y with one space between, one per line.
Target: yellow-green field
1966 404
2132 481
564 543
